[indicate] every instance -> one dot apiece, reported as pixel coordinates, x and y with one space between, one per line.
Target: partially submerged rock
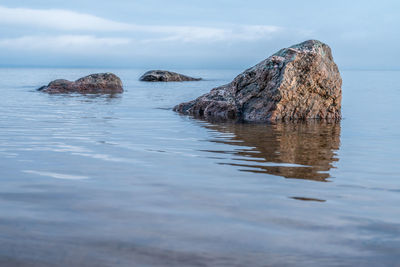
105 83
297 83
165 76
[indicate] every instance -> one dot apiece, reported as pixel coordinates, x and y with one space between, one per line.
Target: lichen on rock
296 83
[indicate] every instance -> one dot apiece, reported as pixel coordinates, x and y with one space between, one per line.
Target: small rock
104 83
165 76
297 83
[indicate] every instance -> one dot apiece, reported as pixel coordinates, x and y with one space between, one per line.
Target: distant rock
165 76
297 83
104 83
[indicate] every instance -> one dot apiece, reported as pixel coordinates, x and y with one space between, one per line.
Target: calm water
124 181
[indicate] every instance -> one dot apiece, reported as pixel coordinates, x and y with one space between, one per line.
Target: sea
123 180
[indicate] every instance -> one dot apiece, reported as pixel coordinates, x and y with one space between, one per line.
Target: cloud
64 43
75 43
65 20
58 19
234 33
46 36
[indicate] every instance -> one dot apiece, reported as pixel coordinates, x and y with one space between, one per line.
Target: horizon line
172 67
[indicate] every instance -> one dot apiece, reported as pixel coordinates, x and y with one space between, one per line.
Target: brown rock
297 83
105 83
165 76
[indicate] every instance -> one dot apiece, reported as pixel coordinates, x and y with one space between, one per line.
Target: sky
194 34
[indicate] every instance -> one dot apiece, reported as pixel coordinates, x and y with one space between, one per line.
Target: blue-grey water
122 180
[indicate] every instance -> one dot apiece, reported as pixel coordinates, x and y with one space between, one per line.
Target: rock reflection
89 98
308 199
295 150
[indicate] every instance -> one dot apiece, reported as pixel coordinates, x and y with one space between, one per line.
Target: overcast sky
194 34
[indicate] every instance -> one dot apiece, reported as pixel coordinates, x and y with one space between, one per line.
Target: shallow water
124 181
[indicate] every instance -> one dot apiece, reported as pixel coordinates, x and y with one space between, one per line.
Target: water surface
122 180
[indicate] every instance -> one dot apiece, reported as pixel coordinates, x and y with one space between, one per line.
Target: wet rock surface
165 76
296 83
106 83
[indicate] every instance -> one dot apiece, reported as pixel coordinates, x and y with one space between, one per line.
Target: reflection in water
89 98
291 150
309 199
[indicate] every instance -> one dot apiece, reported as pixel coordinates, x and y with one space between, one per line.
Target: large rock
165 76
107 83
297 83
